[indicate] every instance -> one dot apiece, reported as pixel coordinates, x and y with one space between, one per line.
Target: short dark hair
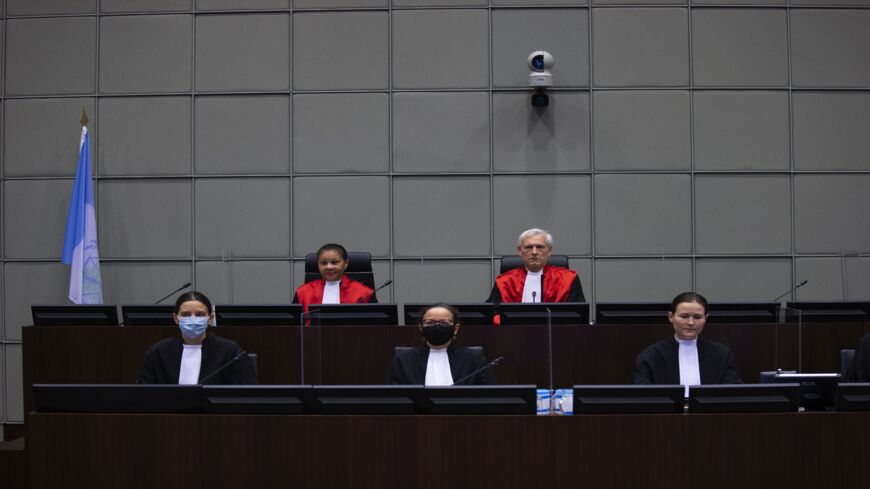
688 297
333 247
453 311
192 296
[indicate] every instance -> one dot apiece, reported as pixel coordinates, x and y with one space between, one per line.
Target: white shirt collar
686 342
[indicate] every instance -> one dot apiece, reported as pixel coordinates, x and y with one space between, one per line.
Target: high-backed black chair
359 267
515 261
846 356
403 348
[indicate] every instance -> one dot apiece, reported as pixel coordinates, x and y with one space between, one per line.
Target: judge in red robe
557 285
536 281
333 286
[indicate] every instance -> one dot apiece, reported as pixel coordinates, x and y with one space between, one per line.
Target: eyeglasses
437 322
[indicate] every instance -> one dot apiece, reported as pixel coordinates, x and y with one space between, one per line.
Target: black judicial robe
162 363
859 370
408 366
659 363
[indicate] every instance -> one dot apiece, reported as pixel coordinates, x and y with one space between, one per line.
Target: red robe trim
349 292
555 287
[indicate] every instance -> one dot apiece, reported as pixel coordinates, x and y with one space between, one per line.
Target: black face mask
438 334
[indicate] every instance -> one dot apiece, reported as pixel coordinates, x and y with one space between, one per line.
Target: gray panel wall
721 146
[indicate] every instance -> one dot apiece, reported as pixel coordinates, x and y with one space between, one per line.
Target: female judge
686 359
194 356
333 286
439 362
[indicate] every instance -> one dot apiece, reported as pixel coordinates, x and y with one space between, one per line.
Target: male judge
536 281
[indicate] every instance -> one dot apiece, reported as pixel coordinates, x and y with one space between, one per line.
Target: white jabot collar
690 370
331 292
438 368
533 284
191 362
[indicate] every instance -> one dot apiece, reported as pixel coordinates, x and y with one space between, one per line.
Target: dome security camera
540 78
540 62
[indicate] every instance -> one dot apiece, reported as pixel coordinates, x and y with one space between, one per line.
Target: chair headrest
398 349
358 262
514 261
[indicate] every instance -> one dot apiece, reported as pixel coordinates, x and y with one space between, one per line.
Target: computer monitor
628 399
536 312
75 315
631 312
744 398
470 313
366 399
818 391
147 315
258 314
479 399
353 314
829 312
853 397
117 398
257 399
742 312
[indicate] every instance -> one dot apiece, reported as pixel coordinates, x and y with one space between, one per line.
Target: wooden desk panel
714 450
600 354
612 451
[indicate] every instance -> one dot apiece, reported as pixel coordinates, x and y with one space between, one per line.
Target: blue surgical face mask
193 327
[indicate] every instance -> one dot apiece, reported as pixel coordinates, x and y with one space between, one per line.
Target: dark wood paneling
13 431
714 451
13 462
622 451
822 344
597 354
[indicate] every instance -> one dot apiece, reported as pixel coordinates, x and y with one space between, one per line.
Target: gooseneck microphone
235 359
791 290
481 369
173 292
368 296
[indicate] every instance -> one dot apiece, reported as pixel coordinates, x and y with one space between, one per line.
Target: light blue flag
80 242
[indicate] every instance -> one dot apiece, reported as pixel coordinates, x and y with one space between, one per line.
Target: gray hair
528 233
